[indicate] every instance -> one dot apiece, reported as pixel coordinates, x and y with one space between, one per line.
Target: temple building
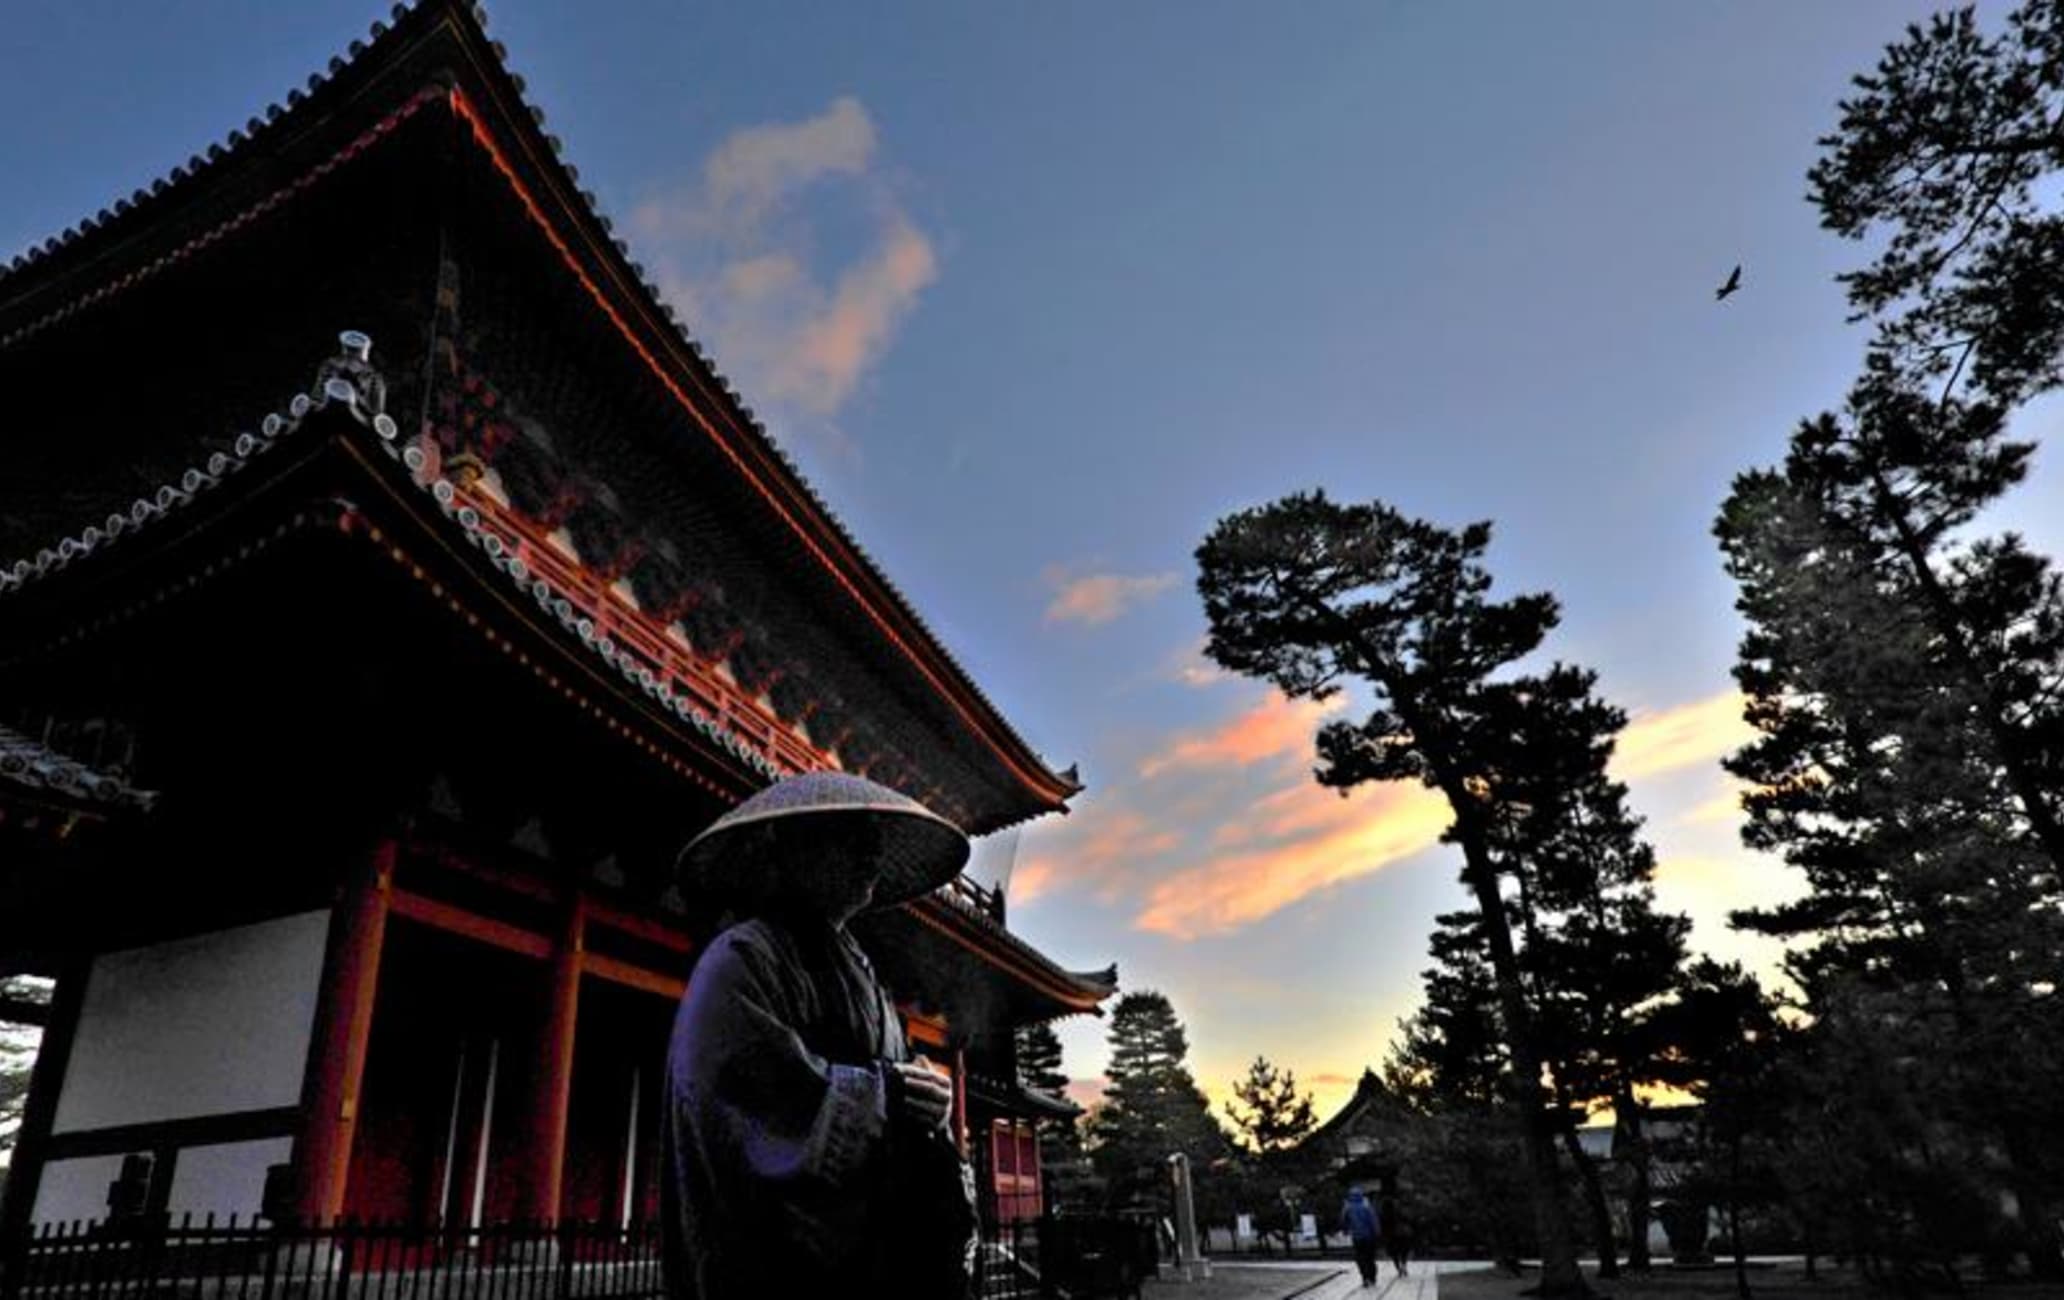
389 587
1361 1142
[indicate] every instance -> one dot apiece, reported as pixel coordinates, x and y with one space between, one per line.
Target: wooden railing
643 639
971 897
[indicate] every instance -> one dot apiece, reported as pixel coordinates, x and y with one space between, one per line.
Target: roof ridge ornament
351 377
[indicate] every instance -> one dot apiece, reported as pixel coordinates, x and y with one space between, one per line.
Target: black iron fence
1051 1257
1066 1257
203 1259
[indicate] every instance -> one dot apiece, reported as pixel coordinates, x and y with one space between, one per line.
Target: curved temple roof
337 410
440 52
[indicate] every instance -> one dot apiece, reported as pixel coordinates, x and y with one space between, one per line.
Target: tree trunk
1627 1117
1503 1254
1559 1272
2038 1225
1594 1200
1741 1260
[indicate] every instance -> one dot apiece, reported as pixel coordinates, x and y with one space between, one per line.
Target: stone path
1422 1283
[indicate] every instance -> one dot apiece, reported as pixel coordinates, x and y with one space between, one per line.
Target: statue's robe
779 1137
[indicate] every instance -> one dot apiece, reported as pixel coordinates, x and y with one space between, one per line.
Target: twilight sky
1037 292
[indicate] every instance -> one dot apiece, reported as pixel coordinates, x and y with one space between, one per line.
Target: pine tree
1906 683
1597 955
1152 1106
1941 154
1448 1065
1309 594
1268 1111
1270 1118
1907 678
1039 1059
1039 1068
1451 1052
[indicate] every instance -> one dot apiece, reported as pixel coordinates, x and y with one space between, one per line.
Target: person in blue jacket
1359 1220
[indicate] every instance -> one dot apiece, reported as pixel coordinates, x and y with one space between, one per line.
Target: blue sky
1038 292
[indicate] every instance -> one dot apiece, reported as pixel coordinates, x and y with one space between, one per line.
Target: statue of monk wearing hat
804 1149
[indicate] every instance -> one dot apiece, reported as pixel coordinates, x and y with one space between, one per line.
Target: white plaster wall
75 1189
208 1025
224 1179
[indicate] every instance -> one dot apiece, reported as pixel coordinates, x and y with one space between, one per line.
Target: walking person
806 1153
1359 1220
1397 1236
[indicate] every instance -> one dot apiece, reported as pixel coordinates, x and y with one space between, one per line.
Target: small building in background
1361 1143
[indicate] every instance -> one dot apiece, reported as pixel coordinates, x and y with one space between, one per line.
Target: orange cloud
1723 807
1277 726
1386 823
1031 879
1241 857
1096 598
1699 732
1085 1092
1305 808
1109 845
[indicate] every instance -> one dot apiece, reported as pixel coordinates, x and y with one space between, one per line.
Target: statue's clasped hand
924 1095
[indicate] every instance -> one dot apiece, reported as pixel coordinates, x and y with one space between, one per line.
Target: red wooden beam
921 1028
638 927
457 920
450 859
637 977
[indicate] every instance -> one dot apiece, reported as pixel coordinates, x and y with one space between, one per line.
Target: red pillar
553 1076
960 1124
344 1023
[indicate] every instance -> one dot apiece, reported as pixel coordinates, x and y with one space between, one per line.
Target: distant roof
1014 1098
1369 1090
955 911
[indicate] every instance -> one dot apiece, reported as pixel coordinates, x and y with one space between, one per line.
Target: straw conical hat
920 850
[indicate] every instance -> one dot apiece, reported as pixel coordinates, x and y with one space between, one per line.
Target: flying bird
1733 283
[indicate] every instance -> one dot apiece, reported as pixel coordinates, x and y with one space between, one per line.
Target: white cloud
734 255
